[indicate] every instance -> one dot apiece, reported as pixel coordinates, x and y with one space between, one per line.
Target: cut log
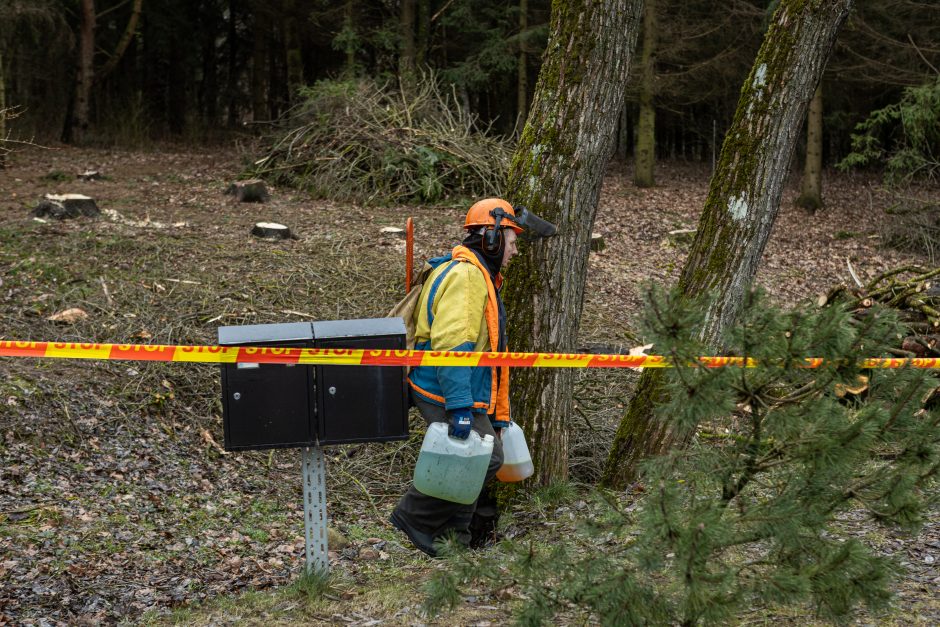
271 230
682 236
922 345
597 242
90 175
61 207
253 190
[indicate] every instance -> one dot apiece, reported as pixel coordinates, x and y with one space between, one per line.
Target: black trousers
426 519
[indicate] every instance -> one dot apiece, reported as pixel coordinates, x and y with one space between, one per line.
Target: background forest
163 69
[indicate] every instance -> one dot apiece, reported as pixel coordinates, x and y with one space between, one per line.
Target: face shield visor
533 227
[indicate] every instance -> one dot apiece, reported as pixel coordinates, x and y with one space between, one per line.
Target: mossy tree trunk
811 187
742 203
645 149
557 171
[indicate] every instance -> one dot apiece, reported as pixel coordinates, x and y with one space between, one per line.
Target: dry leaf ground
116 501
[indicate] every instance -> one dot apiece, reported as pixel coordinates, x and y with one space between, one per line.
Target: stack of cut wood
913 291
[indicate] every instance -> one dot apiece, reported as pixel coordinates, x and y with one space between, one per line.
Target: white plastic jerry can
452 469
517 463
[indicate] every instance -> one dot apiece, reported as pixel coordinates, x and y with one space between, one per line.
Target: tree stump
271 230
597 242
65 206
393 231
253 190
682 236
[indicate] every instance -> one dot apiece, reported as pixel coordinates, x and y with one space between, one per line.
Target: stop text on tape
373 357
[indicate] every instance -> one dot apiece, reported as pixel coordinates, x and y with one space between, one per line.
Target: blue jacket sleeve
455 382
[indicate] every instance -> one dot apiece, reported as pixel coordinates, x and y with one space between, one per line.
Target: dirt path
115 497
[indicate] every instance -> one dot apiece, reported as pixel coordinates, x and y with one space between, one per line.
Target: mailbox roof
358 328
263 333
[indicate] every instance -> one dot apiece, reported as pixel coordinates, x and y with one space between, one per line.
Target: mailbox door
361 403
267 406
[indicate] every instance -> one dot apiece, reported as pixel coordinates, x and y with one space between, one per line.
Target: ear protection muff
494 240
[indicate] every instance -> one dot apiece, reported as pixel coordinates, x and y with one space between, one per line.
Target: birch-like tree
556 171
742 203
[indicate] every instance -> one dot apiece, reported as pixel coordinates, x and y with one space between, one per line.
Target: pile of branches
357 140
913 291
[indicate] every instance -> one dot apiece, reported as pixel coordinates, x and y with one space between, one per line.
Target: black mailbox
281 405
267 405
361 403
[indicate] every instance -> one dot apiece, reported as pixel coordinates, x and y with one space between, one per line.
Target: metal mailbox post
266 406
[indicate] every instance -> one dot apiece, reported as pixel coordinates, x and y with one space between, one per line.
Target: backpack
405 308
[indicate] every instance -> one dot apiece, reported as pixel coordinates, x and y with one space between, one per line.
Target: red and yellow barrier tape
359 357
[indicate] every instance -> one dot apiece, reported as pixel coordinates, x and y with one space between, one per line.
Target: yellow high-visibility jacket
459 309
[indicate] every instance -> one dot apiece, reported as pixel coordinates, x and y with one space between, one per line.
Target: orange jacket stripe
499 390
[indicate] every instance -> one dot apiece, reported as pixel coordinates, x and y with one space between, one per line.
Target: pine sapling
756 512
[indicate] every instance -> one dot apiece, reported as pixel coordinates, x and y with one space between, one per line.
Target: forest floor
117 502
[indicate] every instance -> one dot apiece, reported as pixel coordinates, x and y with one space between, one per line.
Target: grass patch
311 585
56 176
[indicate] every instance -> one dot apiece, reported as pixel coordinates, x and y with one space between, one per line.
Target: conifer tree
751 516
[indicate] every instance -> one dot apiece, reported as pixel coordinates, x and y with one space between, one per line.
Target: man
460 309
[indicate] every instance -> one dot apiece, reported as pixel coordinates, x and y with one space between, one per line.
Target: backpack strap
434 286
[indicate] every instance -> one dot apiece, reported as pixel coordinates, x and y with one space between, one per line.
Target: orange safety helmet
481 214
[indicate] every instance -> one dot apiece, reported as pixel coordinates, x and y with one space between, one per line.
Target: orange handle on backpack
409 252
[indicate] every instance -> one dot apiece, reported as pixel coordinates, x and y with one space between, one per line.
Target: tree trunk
176 90
406 52
124 42
522 80
259 65
295 61
209 88
232 83
624 132
811 186
557 170
742 203
423 33
277 67
645 152
86 72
